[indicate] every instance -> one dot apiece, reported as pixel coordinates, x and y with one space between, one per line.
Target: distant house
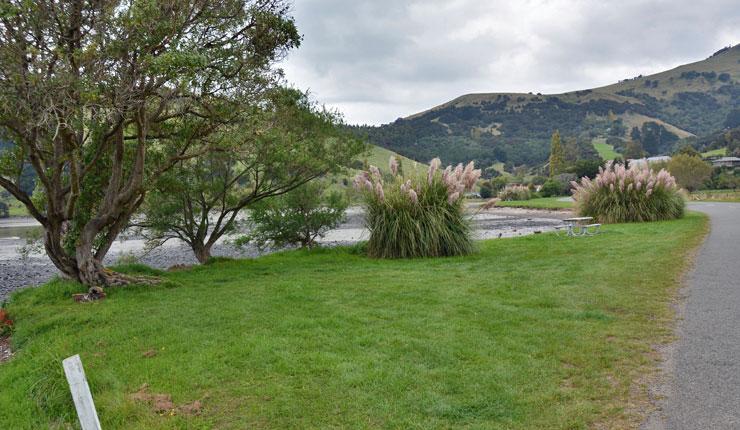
648 161
726 162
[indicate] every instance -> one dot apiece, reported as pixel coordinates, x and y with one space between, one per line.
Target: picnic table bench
580 226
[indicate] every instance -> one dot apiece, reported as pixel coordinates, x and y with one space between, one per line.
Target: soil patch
162 403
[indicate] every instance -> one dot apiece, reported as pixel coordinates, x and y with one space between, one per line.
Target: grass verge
727 196
534 332
539 203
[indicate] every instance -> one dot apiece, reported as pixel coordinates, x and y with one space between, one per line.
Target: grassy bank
539 203
534 332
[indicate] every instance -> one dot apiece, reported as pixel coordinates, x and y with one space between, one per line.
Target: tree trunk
84 266
202 252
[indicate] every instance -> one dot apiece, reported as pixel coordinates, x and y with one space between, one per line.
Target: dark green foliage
687 149
729 139
654 139
103 97
297 142
538 180
725 179
617 129
633 150
486 190
733 119
524 137
298 217
587 168
552 187
499 183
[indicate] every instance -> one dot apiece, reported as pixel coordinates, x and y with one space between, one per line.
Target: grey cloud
378 60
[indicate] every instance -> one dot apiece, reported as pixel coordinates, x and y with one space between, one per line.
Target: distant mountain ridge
692 99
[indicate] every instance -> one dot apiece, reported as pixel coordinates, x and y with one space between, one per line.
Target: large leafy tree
283 144
691 172
100 97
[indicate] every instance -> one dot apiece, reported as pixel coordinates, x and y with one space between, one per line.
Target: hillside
693 99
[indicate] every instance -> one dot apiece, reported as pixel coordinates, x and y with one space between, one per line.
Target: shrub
515 192
420 216
486 190
498 183
550 188
298 217
690 171
634 194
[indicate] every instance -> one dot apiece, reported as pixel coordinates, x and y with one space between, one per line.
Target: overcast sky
377 60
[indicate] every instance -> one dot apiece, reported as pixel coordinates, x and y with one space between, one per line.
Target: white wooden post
81 393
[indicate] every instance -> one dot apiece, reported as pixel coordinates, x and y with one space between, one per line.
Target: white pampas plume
433 166
379 191
375 172
393 165
413 196
453 197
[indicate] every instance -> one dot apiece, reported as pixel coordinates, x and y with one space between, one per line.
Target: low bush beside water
418 216
633 194
515 192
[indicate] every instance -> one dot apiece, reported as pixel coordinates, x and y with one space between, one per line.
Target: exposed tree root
114 279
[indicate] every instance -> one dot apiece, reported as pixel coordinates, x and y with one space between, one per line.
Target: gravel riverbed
18 272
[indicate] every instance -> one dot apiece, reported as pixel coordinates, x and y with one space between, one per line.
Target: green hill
514 128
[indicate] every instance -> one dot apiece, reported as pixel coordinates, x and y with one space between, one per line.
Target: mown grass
538 203
535 332
605 150
721 152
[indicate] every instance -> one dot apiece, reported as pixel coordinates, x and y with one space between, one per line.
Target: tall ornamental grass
515 192
633 194
418 216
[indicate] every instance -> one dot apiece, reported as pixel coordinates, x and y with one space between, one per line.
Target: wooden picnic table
578 226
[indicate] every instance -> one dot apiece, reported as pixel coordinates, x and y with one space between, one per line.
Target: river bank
17 271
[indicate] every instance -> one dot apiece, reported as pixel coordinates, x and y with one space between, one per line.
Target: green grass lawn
538 203
537 332
605 150
380 156
715 152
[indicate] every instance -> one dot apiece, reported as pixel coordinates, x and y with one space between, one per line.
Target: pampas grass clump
633 194
515 192
420 216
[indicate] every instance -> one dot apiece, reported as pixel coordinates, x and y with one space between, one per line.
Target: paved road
703 387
